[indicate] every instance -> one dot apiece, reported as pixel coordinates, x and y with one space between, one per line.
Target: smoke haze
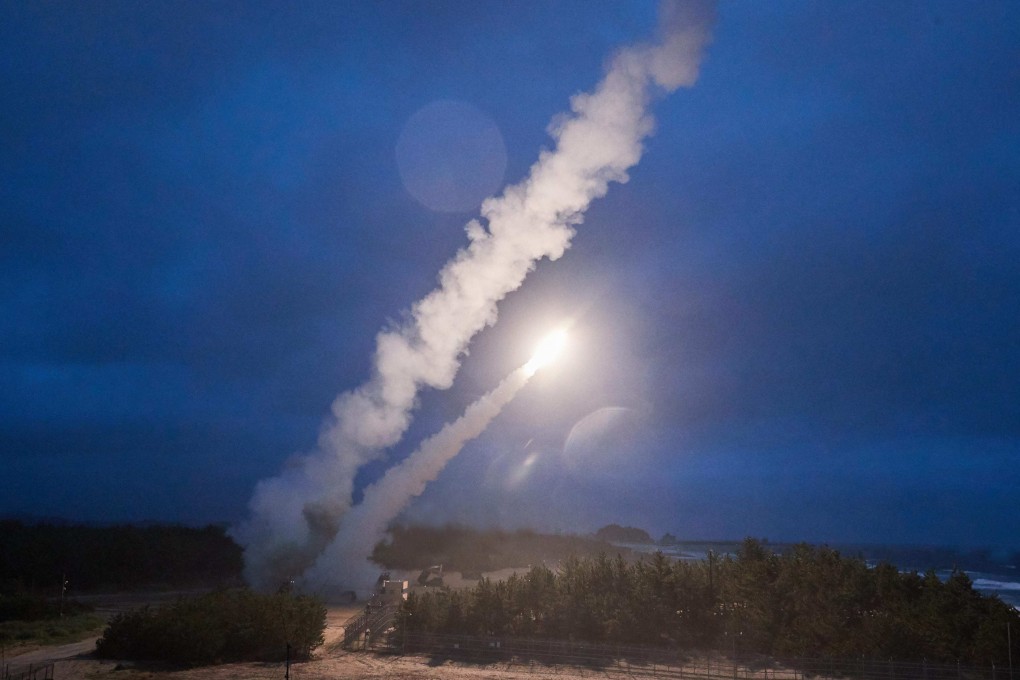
295 516
365 524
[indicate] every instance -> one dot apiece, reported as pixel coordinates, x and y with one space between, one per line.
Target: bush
218 628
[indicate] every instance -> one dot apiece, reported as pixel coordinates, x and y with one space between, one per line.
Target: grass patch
50 631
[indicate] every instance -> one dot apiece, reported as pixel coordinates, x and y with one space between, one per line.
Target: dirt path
53 653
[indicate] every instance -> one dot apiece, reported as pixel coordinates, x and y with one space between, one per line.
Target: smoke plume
294 516
365 524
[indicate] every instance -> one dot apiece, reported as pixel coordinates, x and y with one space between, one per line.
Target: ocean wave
989 584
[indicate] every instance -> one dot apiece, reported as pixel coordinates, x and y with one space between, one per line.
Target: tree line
472 551
35 557
807 602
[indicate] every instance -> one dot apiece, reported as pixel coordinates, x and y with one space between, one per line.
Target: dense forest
91 558
808 602
473 551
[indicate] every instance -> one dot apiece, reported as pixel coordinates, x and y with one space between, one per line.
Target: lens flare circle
547 351
451 156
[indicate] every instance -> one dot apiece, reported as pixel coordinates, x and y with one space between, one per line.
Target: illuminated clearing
547 350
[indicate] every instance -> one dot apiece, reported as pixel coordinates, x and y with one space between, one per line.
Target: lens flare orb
547 350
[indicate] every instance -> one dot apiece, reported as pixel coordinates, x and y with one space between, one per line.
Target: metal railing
368 626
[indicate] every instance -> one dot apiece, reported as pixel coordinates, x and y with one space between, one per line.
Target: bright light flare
547 350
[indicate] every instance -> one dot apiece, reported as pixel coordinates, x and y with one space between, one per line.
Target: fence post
1009 649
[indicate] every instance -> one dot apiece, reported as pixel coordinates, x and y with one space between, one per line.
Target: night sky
799 319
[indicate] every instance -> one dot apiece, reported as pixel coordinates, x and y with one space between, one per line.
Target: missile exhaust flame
547 351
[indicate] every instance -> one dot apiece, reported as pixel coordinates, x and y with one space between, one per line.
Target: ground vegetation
220 627
28 619
806 602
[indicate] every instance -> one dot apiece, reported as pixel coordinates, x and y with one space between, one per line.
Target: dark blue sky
800 319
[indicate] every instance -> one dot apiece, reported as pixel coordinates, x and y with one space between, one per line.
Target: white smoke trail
344 564
295 515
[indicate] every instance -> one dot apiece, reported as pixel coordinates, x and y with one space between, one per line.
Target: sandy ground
369 666
348 667
332 666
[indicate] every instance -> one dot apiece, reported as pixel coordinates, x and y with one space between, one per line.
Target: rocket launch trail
296 515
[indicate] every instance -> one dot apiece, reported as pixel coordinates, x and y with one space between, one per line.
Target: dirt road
44 655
